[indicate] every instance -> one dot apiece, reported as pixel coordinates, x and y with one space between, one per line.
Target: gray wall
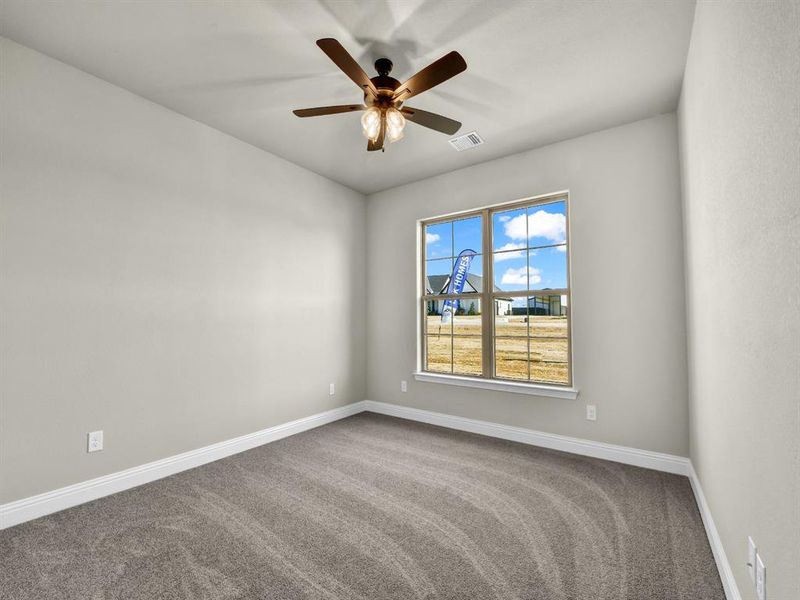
161 281
627 272
740 142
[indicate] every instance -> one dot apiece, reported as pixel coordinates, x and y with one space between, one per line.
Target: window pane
547 224
548 316
437 274
511 317
439 240
434 323
509 230
503 307
439 353
511 358
549 360
467 235
467 355
467 319
510 273
547 268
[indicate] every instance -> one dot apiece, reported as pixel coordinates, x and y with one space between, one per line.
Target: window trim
487 298
502 385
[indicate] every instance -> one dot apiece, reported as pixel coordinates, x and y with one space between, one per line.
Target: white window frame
487 296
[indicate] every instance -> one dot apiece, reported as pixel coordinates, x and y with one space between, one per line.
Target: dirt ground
535 350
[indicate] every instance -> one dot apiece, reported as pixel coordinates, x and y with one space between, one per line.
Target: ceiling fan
384 113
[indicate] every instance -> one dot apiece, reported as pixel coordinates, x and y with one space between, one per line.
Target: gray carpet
374 507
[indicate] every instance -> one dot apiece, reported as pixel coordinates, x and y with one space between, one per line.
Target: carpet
374 507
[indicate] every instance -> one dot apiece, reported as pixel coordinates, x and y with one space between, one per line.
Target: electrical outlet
761 578
591 412
751 559
332 390
404 386
95 441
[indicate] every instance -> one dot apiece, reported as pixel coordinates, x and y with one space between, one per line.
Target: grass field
546 360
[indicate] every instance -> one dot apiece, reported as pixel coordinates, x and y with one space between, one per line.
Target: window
495 293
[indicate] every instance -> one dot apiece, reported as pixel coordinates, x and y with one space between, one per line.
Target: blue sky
522 258
448 239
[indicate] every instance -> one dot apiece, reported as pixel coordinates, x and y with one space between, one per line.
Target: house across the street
554 305
437 284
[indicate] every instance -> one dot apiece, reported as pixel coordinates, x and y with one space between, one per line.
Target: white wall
628 292
161 281
740 147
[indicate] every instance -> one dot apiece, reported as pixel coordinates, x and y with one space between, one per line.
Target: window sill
532 389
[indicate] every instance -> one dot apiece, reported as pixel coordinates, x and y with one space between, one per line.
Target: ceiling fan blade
347 63
378 143
328 110
430 120
448 66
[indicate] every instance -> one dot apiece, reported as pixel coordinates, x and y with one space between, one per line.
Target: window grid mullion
487 301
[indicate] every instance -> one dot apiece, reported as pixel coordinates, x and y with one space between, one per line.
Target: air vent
466 141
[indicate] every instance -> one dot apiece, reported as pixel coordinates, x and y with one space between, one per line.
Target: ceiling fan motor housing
385 84
383 66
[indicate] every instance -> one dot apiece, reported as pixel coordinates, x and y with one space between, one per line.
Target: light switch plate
751 558
761 578
332 390
94 441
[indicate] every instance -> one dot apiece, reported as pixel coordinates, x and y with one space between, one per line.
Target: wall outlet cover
591 412
404 386
94 441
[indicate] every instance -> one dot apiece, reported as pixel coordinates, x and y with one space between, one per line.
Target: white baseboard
630 456
33 507
668 463
717 549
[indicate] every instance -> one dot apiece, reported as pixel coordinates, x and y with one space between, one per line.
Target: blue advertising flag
457 281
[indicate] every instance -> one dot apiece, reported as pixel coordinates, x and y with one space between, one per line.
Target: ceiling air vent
466 141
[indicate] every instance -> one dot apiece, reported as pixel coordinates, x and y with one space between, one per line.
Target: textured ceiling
538 72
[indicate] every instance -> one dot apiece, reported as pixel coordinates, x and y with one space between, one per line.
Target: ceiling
538 72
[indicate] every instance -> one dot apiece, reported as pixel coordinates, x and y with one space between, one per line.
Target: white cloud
552 226
430 238
562 248
508 255
515 228
518 276
504 219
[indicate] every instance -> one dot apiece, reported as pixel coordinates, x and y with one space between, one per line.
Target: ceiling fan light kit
390 118
371 123
385 115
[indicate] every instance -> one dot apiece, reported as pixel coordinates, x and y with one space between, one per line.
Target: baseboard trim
40 505
33 507
630 456
717 549
668 463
